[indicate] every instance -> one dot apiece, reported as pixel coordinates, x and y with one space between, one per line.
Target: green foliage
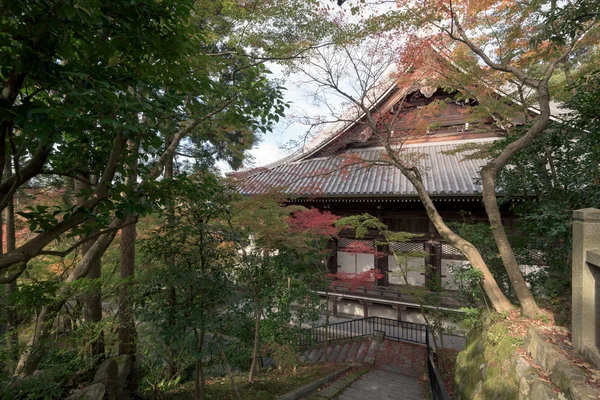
480 234
470 317
214 264
61 371
466 281
65 365
364 223
186 276
268 385
85 78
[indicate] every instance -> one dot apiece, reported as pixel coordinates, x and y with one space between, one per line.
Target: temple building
322 177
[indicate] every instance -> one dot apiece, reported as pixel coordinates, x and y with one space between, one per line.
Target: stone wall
489 367
586 283
563 374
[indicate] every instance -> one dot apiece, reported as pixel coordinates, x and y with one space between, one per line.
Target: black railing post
427 338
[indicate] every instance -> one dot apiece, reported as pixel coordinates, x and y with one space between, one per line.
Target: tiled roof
443 175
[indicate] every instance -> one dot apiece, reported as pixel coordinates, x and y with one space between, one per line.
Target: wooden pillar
335 306
398 309
332 262
365 308
381 263
433 261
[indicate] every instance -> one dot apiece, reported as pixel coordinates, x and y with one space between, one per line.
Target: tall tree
93 295
190 259
95 141
126 328
11 244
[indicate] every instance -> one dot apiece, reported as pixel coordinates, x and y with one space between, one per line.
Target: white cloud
261 154
265 153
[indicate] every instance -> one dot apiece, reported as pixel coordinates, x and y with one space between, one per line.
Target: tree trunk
528 304
488 176
92 299
4 293
126 330
169 260
254 366
497 298
326 341
199 383
34 352
11 244
230 374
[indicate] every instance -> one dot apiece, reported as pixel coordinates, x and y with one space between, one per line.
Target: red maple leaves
351 281
313 222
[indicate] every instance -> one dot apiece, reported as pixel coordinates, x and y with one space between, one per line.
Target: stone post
586 280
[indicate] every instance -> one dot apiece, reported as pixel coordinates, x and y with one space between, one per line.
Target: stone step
362 351
344 353
372 351
311 355
336 352
353 351
305 355
379 384
329 351
318 354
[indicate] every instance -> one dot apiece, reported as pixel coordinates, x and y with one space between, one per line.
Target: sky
275 145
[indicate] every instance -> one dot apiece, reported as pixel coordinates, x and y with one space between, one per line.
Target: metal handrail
438 389
392 329
386 301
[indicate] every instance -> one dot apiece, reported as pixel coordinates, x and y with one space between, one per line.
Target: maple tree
532 41
276 244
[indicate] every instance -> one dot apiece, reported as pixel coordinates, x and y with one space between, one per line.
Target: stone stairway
385 382
398 372
360 351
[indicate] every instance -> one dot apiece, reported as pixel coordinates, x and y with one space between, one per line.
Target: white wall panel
346 261
355 263
416 266
364 262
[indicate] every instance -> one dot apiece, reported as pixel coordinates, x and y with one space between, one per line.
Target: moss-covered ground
268 384
488 352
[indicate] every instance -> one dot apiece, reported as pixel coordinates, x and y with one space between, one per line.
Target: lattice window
405 247
351 245
450 250
532 257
